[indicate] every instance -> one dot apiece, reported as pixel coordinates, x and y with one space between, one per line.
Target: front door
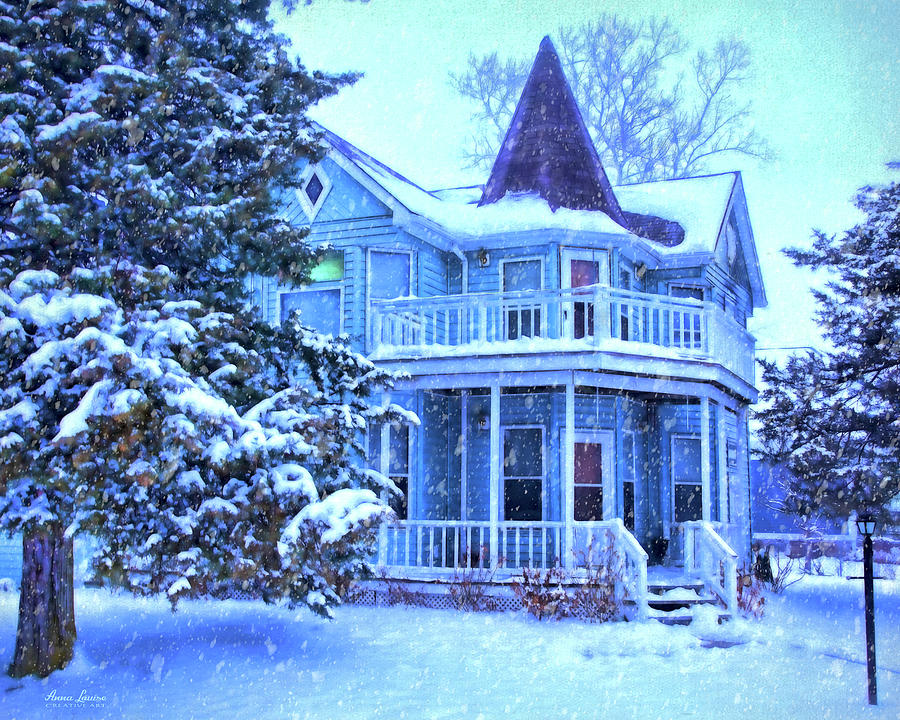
580 268
594 487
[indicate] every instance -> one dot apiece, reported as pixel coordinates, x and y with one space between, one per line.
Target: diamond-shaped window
314 189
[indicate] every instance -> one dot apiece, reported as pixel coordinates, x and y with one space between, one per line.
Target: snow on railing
450 546
537 320
709 557
597 534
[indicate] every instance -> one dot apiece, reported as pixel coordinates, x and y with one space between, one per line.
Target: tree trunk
46 633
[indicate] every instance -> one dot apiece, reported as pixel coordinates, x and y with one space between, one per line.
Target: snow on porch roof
697 204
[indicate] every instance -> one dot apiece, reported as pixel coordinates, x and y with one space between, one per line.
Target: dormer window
314 187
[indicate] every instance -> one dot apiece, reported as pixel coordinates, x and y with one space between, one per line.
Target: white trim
312 209
672 482
502 490
607 442
313 287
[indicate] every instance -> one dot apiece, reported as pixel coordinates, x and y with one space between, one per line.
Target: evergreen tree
834 417
151 407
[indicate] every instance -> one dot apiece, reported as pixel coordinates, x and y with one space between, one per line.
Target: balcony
591 318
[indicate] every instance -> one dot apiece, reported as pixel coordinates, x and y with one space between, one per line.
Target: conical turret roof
548 150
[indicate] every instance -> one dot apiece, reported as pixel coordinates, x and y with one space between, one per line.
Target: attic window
313 189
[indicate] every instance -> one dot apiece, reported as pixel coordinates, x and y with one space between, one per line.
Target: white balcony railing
581 318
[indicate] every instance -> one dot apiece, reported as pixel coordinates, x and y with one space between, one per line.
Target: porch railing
452 546
709 557
537 320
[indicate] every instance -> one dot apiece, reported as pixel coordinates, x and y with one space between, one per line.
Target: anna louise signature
84 698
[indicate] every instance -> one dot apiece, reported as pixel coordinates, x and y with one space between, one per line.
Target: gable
344 198
736 249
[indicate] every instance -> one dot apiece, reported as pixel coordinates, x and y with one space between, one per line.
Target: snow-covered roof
697 204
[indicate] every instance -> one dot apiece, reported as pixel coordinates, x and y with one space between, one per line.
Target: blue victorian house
577 353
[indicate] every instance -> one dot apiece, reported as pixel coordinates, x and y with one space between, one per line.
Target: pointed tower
547 148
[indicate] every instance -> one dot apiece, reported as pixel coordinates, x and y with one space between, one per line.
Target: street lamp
865 524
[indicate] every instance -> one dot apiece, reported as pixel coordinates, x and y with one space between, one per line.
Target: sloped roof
547 148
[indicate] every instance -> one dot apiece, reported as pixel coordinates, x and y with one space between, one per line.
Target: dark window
628 499
313 189
523 318
588 481
523 473
686 478
584 272
398 463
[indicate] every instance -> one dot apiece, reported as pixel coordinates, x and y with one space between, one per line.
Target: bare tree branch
646 124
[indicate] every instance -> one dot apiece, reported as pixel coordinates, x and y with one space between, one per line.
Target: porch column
495 474
705 469
569 475
743 511
722 464
384 467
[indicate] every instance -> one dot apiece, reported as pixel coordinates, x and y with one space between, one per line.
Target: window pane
319 309
522 452
628 500
588 464
330 268
687 502
389 275
589 502
314 188
399 460
522 499
686 291
522 275
584 272
400 505
686 459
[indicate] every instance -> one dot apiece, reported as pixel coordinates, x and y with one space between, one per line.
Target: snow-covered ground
235 659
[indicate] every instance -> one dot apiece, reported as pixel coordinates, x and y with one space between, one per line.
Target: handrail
707 555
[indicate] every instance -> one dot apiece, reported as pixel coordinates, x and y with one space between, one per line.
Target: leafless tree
648 118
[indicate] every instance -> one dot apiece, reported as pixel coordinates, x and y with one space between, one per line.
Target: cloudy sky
825 91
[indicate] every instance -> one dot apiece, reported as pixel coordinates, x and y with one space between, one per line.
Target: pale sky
825 91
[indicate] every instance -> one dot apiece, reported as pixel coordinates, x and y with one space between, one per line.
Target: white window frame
312 209
672 438
528 258
543 429
704 290
606 440
316 287
412 278
601 255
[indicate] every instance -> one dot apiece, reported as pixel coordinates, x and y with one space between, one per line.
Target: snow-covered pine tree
145 132
833 418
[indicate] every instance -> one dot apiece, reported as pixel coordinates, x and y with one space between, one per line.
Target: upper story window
686 291
314 187
524 320
390 274
321 302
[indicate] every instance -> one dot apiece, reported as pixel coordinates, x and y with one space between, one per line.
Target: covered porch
518 473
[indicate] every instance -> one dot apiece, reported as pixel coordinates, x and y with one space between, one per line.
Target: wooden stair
672 600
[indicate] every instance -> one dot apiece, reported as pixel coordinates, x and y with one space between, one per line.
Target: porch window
523 319
686 323
398 463
588 481
686 479
523 472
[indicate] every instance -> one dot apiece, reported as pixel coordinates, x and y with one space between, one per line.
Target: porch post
722 464
384 467
495 473
569 475
464 456
705 469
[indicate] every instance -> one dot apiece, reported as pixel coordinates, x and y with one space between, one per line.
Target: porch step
671 599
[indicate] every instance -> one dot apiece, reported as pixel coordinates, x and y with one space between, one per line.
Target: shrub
468 591
542 594
750 599
601 595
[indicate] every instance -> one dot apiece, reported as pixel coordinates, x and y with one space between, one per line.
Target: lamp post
865 524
